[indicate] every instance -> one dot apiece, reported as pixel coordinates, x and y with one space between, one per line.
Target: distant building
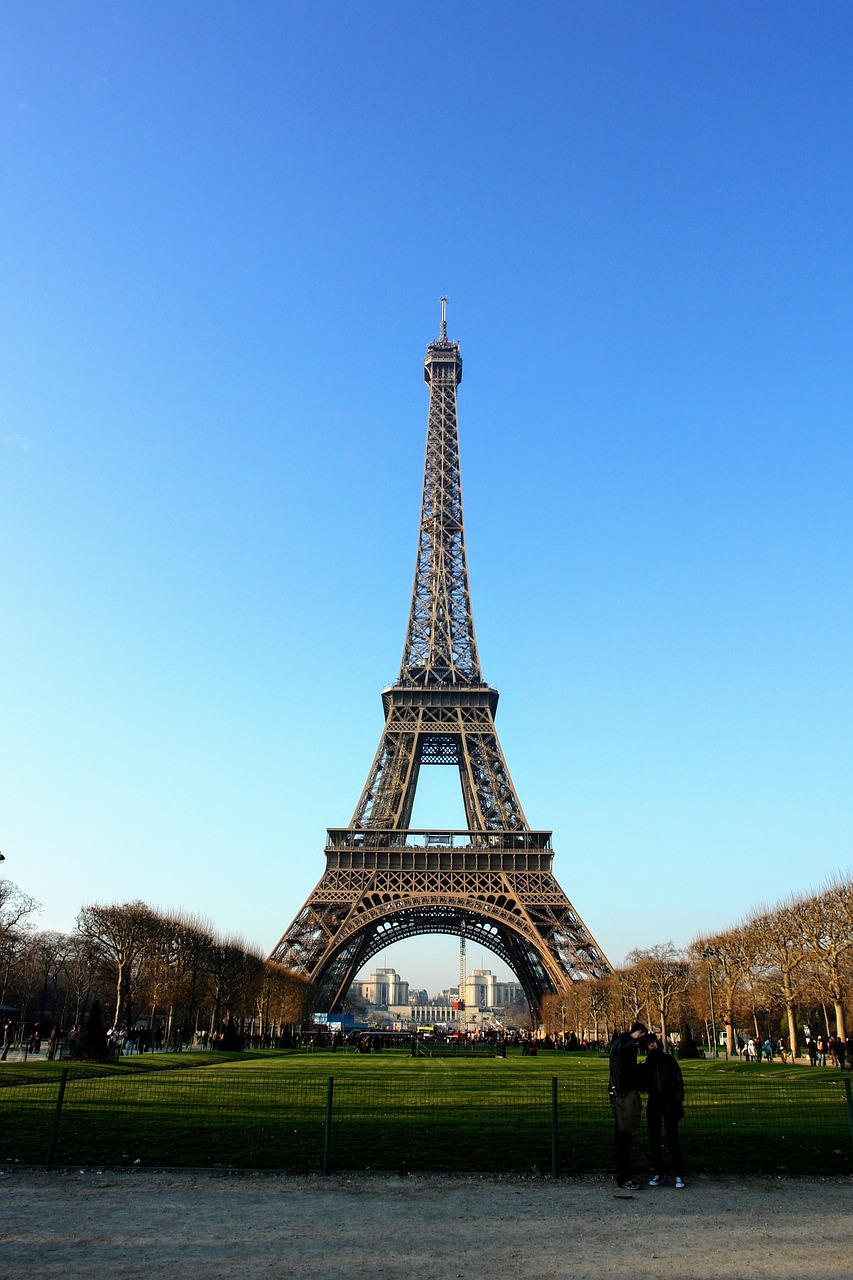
384 987
483 991
508 993
424 1015
480 989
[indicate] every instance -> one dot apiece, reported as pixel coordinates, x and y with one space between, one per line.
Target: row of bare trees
779 970
796 957
143 966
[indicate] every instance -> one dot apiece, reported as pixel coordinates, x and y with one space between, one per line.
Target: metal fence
225 1117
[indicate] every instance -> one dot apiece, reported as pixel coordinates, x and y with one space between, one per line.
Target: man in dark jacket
625 1099
660 1077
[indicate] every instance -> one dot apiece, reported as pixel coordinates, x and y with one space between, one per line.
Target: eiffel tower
491 883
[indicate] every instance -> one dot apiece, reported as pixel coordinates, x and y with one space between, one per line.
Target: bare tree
16 908
122 934
728 957
236 973
630 987
663 976
82 969
596 1002
780 948
190 980
50 951
827 924
285 998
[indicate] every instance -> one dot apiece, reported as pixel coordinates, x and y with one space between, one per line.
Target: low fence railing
560 1125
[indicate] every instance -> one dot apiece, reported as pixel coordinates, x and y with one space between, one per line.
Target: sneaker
679 1182
631 1185
655 1181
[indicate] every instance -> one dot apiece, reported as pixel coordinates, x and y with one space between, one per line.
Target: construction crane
463 975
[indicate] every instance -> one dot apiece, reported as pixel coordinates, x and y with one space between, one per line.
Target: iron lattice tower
492 883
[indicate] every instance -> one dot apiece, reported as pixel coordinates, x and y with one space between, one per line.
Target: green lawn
390 1111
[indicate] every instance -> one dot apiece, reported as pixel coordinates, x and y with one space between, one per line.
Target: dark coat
660 1077
623 1063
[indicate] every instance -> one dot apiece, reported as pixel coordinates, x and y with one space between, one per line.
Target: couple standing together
660 1078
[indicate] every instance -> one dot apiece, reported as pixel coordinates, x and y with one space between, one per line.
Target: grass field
268 1110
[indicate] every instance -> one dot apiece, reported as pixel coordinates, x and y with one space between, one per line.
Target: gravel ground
163 1224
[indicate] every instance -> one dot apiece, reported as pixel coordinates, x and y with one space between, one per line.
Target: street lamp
707 955
621 978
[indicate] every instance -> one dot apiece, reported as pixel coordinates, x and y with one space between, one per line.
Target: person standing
660 1077
625 1099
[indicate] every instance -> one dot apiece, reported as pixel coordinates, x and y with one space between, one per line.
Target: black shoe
631 1185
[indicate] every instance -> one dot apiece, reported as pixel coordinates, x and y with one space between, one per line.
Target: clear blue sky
224 232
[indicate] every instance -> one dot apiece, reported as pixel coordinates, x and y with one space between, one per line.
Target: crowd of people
839 1052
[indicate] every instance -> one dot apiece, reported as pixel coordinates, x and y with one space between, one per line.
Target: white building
384 987
483 991
508 993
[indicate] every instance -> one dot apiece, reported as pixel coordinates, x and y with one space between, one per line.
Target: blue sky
224 230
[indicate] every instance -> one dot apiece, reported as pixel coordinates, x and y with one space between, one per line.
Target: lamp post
707 955
621 978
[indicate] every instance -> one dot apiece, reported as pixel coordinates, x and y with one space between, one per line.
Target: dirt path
168 1224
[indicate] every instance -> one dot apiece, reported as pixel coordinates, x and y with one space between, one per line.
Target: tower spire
442 333
440 646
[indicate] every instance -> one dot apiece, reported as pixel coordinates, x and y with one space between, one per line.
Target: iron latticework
493 882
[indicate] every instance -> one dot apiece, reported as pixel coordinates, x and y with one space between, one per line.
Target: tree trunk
839 1020
122 992
729 1019
792 1029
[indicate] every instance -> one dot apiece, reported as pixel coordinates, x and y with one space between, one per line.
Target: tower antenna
442 333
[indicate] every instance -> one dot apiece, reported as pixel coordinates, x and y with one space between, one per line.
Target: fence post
327 1140
54 1133
849 1103
553 1126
